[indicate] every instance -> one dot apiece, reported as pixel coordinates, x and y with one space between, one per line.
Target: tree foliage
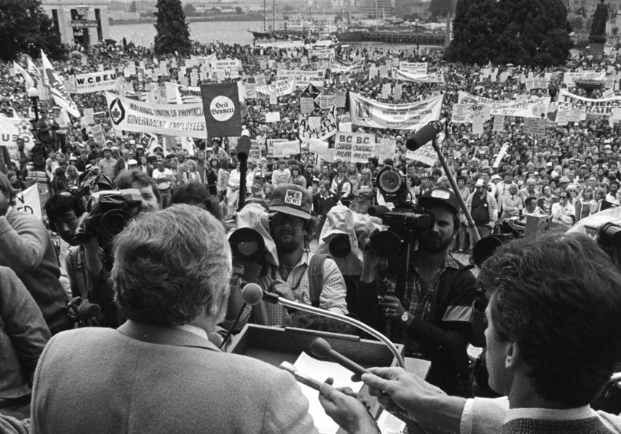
132 7
522 32
440 8
24 28
189 10
173 33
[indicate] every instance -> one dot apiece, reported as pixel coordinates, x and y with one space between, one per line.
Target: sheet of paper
388 424
320 370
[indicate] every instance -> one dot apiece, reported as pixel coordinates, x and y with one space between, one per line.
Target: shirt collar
550 414
194 330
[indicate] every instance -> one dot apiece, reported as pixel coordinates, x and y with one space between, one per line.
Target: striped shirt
332 296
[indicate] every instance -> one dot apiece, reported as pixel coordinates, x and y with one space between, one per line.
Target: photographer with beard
432 306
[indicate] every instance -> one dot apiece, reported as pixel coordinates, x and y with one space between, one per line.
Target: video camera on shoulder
405 221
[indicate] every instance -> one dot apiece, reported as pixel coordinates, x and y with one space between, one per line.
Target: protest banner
477 123
270 143
535 127
435 77
354 147
28 201
231 65
255 149
95 82
302 78
327 128
167 119
278 88
340 99
12 129
570 78
178 94
594 108
499 123
307 105
285 148
412 116
414 68
529 107
321 53
59 93
222 109
326 101
425 154
386 149
341 67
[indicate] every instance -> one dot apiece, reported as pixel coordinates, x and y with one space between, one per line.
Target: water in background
228 32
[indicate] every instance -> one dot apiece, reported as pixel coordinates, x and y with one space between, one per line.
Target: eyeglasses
280 219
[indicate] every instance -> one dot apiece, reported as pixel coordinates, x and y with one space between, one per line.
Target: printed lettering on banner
410 116
307 105
260 80
414 68
28 201
326 101
280 87
327 128
255 149
127 114
592 108
285 148
425 154
12 129
272 117
89 118
354 147
535 127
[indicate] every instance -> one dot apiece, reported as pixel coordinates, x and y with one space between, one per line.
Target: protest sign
412 116
354 147
89 118
278 88
28 201
425 154
499 123
325 101
221 104
98 134
270 143
413 68
307 105
593 108
286 148
435 77
327 128
272 117
386 149
167 119
535 127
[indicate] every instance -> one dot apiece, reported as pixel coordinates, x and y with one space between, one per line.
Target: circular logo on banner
222 108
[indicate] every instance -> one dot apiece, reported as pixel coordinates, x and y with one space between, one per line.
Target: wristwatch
406 316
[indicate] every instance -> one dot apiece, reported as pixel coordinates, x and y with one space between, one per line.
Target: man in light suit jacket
159 373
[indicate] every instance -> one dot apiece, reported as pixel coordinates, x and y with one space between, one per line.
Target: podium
275 345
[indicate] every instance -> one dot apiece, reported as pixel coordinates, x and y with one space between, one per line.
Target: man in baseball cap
431 309
291 228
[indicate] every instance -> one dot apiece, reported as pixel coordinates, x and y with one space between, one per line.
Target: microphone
87 311
275 299
424 135
301 378
321 348
252 295
377 210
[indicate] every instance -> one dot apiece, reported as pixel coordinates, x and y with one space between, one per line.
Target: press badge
293 197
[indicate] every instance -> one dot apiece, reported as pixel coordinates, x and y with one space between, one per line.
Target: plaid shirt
417 300
332 296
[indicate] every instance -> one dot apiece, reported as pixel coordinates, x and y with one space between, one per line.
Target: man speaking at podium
158 373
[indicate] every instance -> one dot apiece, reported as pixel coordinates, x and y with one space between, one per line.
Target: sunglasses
280 219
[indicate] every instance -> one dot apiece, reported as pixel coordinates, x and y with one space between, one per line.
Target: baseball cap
439 196
293 200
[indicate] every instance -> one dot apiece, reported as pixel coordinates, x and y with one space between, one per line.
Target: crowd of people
503 175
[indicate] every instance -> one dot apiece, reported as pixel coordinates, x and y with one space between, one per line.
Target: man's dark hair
559 300
60 204
133 178
197 194
529 200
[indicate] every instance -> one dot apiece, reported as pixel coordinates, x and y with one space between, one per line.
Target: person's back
154 380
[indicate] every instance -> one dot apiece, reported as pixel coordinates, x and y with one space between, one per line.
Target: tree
440 8
132 7
24 28
173 33
522 32
238 10
189 10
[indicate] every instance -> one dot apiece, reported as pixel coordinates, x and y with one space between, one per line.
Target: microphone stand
273 298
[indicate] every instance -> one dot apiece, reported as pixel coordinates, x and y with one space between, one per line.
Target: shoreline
214 18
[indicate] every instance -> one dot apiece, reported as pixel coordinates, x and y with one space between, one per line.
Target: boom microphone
252 295
321 348
424 135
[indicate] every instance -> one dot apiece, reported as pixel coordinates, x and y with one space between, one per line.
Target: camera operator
432 307
26 248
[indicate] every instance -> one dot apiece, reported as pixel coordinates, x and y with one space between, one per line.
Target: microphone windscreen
252 294
320 348
377 210
421 137
88 310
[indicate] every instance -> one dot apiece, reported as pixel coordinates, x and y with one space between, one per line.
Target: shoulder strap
315 277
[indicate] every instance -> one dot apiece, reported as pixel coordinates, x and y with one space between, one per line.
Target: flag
32 69
222 109
60 94
27 78
13 128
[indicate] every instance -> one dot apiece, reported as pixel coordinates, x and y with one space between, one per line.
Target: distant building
412 7
82 22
